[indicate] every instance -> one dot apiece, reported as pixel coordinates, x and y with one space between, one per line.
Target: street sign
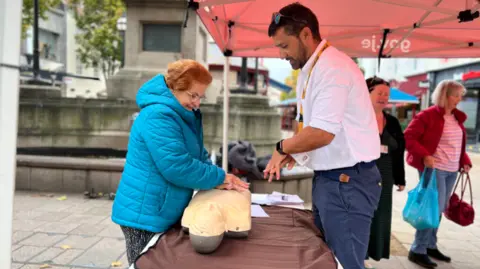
424 84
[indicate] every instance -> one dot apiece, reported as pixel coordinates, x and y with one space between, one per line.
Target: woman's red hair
182 73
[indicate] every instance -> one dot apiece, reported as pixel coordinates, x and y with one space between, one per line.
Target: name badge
301 158
384 149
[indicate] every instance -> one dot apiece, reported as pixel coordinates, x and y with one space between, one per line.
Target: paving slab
42 225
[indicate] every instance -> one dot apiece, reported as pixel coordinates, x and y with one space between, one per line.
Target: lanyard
304 92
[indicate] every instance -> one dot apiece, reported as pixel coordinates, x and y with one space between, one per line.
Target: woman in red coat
436 138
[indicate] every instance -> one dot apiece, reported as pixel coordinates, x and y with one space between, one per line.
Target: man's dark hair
293 18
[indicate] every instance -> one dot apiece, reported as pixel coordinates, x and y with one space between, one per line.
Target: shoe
368 266
421 259
435 253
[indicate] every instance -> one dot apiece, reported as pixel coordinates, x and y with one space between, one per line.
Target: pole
36 50
10 25
244 74
255 86
226 109
122 34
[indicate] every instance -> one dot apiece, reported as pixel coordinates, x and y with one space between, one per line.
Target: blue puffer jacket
166 161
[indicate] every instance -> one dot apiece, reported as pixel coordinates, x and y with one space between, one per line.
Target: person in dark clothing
391 166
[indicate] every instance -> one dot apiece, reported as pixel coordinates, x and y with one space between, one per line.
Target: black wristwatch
280 147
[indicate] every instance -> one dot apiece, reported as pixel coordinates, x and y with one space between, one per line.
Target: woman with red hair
166 159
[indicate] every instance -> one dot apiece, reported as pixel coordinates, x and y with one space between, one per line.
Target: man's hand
232 182
401 188
275 165
429 161
466 168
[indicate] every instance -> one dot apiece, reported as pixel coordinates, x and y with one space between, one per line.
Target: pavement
68 231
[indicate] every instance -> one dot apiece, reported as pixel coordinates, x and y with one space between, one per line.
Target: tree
27 12
99 39
292 82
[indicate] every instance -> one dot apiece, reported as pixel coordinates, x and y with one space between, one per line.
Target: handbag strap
467 180
460 177
464 183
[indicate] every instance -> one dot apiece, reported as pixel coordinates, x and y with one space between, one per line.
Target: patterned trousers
135 240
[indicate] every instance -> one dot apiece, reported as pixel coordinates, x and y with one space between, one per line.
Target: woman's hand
466 168
429 161
232 182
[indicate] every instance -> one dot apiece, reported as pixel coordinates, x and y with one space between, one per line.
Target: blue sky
279 69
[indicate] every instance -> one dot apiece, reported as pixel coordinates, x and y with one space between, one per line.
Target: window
47 44
469 105
162 37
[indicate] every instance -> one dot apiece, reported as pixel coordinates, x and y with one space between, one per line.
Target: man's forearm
306 140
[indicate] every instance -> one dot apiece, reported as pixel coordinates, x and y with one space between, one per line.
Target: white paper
258 212
260 199
278 198
292 201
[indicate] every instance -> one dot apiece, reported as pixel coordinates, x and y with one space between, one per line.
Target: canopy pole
380 52
10 25
226 109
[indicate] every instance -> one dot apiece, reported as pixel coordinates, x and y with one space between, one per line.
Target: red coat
423 135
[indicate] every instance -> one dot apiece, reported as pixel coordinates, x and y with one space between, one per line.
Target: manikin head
294 30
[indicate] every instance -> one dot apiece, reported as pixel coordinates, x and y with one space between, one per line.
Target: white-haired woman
436 138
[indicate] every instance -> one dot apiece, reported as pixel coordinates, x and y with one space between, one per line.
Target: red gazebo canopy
411 28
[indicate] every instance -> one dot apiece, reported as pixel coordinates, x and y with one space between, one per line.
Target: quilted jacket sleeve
173 160
413 133
205 156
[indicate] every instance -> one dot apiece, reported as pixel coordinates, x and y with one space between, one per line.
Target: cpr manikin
213 213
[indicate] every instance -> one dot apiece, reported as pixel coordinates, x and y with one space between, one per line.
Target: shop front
468 75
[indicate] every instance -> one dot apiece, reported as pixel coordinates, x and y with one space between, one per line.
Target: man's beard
302 58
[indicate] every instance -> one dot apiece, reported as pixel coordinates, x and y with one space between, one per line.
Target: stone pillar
251 119
154 37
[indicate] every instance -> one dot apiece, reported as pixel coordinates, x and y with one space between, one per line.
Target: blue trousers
344 201
427 238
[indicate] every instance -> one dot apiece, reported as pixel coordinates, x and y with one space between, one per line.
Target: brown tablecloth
288 239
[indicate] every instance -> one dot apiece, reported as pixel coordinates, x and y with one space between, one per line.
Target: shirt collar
307 66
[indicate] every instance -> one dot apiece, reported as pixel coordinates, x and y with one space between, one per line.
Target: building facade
58 47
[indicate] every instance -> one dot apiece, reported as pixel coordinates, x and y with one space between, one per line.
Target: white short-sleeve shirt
337 101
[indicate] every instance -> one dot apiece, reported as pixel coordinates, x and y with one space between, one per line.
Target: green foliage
292 82
27 12
99 41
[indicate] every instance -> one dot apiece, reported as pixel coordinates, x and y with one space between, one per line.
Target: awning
471 75
280 86
397 96
416 85
411 28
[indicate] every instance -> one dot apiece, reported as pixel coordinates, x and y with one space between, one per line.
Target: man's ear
305 34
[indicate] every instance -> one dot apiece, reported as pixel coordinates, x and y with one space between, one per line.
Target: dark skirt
380 231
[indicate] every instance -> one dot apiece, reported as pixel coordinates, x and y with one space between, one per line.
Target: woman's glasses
195 97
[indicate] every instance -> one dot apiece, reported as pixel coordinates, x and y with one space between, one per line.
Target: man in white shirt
338 135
